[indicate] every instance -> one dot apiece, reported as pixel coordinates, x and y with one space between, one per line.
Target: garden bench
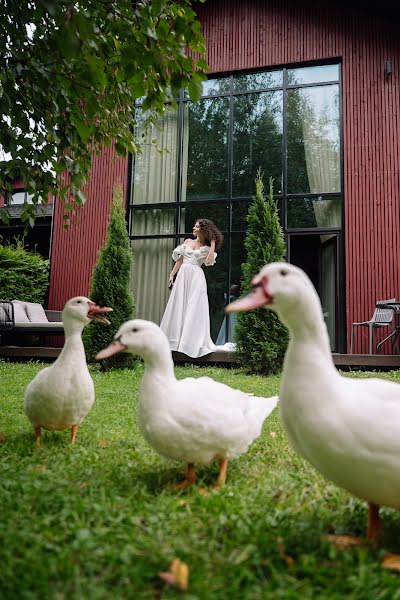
18 318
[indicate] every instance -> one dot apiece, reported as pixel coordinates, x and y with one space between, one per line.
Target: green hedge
24 275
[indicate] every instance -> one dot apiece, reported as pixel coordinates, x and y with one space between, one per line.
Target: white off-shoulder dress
186 320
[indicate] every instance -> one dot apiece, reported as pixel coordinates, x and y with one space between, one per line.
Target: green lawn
100 521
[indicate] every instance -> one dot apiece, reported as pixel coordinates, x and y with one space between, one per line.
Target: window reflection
314 212
257 81
215 211
316 74
239 215
216 86
205 162
257 140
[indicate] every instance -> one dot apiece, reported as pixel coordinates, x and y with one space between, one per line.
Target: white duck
60 396
192 420
348 429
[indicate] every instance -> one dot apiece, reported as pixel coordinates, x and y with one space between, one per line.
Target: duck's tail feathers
263 407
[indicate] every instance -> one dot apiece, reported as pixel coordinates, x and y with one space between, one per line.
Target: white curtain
320 121
155 171
321 134
151 266
155 181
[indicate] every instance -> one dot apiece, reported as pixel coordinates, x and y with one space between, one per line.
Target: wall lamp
388 67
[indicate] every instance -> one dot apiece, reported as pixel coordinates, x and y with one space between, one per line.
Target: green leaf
79 80
195 89
83 129
81 197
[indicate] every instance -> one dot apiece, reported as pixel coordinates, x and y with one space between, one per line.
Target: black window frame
281 198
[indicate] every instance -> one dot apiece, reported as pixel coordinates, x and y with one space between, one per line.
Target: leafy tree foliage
70 73
111 287
260 337
23 275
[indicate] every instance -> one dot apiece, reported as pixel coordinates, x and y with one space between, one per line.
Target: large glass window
201 161
206 135
257 139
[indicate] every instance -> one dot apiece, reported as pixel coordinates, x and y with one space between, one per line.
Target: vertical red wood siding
246 35
74 250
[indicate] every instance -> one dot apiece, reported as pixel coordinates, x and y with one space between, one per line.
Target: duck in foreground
195 420
348 429
60 396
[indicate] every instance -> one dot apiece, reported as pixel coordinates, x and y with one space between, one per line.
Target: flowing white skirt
186 320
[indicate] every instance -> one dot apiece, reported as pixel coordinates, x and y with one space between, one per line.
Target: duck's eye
283 272
79 301
135 330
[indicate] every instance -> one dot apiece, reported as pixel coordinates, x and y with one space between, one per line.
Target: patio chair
382 317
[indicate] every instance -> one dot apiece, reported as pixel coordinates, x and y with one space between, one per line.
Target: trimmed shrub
111 287
24 275
261 339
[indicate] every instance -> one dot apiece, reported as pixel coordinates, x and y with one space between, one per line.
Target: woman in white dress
186 320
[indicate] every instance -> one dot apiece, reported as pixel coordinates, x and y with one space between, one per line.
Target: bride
186 320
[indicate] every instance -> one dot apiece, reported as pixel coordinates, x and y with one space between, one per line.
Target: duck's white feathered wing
205 420
352 436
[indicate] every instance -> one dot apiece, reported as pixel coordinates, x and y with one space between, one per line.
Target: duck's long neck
73 350
309 344
159 363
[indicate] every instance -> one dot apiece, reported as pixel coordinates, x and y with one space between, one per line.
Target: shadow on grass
24 443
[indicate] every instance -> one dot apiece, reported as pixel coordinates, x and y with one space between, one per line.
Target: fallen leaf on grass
177 575
391 561
341 542
2 437
103 443
273 434
289 560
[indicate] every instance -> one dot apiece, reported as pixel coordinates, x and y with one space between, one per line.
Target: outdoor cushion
20 315
35 312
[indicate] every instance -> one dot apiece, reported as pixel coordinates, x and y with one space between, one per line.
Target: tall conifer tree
111 286
261 339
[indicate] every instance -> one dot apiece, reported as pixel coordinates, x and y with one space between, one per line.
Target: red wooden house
310 93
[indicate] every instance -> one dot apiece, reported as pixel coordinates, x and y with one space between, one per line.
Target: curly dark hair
210 232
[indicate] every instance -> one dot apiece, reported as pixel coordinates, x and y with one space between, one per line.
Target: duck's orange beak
112 349
95 311
258 296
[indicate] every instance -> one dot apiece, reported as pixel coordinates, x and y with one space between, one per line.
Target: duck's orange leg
190 478
37 436
374 524
223 466
74 429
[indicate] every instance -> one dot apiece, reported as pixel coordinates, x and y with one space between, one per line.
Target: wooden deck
342 361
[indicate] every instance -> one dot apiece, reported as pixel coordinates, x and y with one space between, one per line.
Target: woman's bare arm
176 268
210 255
